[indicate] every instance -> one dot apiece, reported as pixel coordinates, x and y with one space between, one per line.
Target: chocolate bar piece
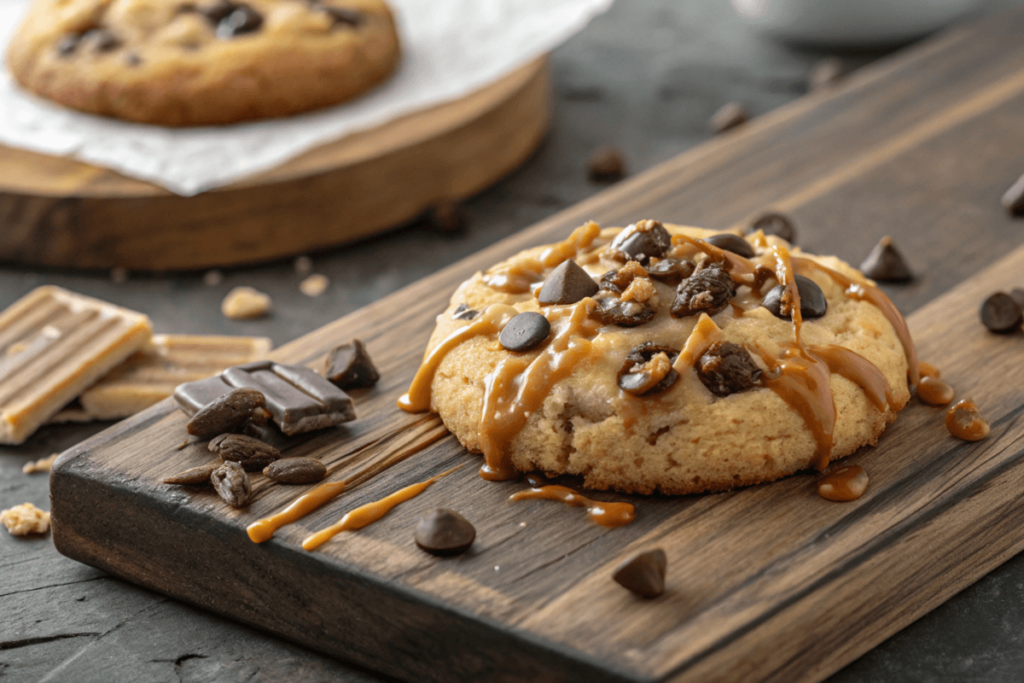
298 399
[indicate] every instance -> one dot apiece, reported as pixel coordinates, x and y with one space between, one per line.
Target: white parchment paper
451 48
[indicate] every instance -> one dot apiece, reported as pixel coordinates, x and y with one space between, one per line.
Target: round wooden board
59 212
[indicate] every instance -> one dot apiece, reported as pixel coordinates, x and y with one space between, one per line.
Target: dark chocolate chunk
68 43
268 433
341 15
196 476
727 368
1013 198
706 291
524 331
731 242
228 413
611 310
567 284
464 312
349 367
641 242
1000 313
444 532
774 224
447 217
812 300
232 484
728 117
252 454
827 71
671 271
635 377
606 164
194 396
885 263
241 20
296 471
643 574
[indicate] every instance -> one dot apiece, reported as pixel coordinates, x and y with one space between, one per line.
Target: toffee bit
315 285
706 291
843 485
933 391
243 303
40 466
727 368
25 520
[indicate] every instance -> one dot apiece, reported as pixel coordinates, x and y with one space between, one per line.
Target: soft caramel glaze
857 369
934 391
366 515
785 275
519 276
802 381
605 514
844 484
581 239
965 421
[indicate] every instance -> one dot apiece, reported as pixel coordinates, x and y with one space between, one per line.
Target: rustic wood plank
767 583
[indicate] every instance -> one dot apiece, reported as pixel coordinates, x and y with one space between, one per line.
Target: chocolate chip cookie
187 63
690 361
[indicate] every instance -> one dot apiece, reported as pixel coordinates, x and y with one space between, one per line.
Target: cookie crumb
303 265
42 465
245 302
25 519
212 278
314 285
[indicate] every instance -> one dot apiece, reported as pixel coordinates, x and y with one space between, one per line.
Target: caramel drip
263 530
928 370
791 298
517 387
580 240
858 370
843 485
934 392
862 291
518 276
366 515
965 421
802 381
704 334
490 321
734 263
605 514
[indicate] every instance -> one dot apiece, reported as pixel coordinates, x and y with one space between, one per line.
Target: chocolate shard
727 117
774 224
606 164
1013 199
524 331
730 242
194 396
567 284
643 574
1001 313
886 264
349 366
228 413
444 533
813 303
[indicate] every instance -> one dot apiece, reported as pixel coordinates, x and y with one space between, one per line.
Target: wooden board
767 583
61 212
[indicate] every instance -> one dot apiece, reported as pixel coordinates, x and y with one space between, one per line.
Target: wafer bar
53 345
152 374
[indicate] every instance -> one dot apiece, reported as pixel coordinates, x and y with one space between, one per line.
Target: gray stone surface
645 77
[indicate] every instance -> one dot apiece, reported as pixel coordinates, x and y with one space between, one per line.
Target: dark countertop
645 77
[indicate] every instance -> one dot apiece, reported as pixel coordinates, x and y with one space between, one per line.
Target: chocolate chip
295 471
731 242
812 300
68 43
447 217
643 574
885 263
727 368
242 19
671 271
605 164
635 375
1000 313
464 312
774 224
229 413
706 291
567 284
341 16
444 532
641 242
611 310
196 476
827 71
252 454
727 117
1013 199
524 331
349 367
232 484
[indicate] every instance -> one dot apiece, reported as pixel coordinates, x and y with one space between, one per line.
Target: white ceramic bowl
850 23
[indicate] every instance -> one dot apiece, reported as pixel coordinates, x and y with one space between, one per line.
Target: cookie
177 63
701 363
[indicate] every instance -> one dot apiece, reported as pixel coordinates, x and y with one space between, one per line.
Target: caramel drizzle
733 262
517 387
704 334
802 381
604 514
857 369
844 485
366 515
519 276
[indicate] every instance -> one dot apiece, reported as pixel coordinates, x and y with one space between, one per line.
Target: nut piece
25 519
643 574
232 484
727 368
252 454
195 476
640 289
314 285
43 465
296 471
229 413
706 291
243 303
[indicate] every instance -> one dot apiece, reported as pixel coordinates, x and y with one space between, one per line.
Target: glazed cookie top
627 314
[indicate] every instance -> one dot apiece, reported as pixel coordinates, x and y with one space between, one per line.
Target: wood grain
61 212
766 583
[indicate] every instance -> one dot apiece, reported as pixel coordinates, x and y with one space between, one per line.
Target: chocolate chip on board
567 284
296 471
643 574
232 484
524 331
1001 313
349 366
885 263
606 164
229 413
727 117
444 532
727 368
252 454
195 476
813 303
730 242
708 290
774 224
1013 198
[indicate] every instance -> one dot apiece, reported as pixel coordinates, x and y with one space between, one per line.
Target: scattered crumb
245 302
606 164
303 265
43 465
315 285
213 278
119 275
25 519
